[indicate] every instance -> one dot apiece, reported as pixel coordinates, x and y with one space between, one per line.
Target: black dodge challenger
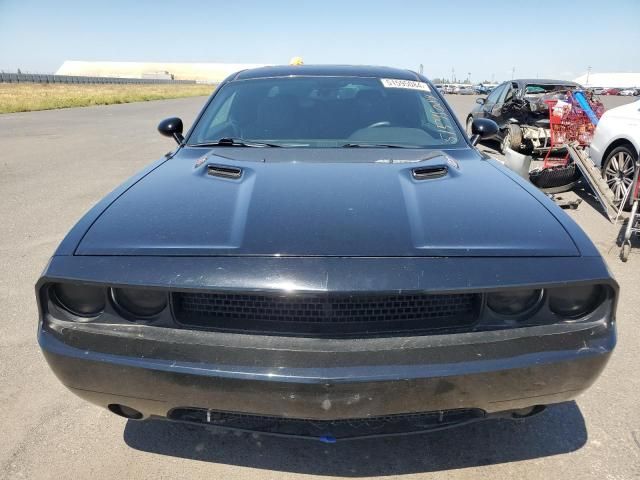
325 254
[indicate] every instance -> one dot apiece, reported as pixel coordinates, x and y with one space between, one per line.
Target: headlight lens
140 302
575 301
513 302
81 300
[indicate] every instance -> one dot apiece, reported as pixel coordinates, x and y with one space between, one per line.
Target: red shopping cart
568 123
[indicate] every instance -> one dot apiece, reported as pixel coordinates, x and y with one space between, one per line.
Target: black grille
330 430
327 314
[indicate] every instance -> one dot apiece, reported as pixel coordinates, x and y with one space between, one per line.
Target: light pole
588 73
469 77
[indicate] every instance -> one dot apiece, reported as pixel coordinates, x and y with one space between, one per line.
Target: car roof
545 81
326 71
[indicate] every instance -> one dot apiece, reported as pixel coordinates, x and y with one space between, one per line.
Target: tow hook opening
528 412
124 411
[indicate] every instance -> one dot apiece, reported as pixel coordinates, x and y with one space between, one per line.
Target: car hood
328 202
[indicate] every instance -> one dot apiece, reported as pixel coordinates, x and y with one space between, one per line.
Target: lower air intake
330 430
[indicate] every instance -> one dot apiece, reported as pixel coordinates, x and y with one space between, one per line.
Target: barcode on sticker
410 84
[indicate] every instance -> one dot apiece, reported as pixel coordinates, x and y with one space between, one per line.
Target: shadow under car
560 429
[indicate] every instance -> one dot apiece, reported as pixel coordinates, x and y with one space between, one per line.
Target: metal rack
633 224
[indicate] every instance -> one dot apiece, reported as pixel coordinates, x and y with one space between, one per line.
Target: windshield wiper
234 142
377 145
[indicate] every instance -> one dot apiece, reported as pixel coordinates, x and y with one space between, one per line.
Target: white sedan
615 147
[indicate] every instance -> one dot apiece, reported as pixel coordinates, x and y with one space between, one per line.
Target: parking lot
56 164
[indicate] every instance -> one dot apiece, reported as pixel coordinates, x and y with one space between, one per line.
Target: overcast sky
484 37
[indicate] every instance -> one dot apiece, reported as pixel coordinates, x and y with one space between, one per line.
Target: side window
222 115
495 94
509 95
214 119
511 92
506 92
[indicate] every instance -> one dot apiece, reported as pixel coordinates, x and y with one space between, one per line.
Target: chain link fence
43 78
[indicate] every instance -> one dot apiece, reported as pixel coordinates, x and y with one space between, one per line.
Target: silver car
616 145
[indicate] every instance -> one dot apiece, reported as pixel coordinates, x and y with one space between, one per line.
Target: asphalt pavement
56 164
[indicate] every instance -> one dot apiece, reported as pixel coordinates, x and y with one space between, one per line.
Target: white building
201 72
609 80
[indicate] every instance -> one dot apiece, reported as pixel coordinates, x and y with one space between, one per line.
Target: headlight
575 301
140 302
81 300
513 302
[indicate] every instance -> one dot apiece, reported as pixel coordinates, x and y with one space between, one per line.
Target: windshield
327 112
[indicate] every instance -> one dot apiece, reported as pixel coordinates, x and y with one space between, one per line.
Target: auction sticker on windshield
410 84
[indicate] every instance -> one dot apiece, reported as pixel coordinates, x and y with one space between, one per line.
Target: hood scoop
224 171
430 172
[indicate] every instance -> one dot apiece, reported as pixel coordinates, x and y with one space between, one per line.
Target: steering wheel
379 124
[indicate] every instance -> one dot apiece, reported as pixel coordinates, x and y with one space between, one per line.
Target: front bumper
155 370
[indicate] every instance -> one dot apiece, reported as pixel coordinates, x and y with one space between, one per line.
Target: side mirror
481 129
481 100
172 127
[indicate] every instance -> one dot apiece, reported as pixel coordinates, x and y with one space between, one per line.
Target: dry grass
25 97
